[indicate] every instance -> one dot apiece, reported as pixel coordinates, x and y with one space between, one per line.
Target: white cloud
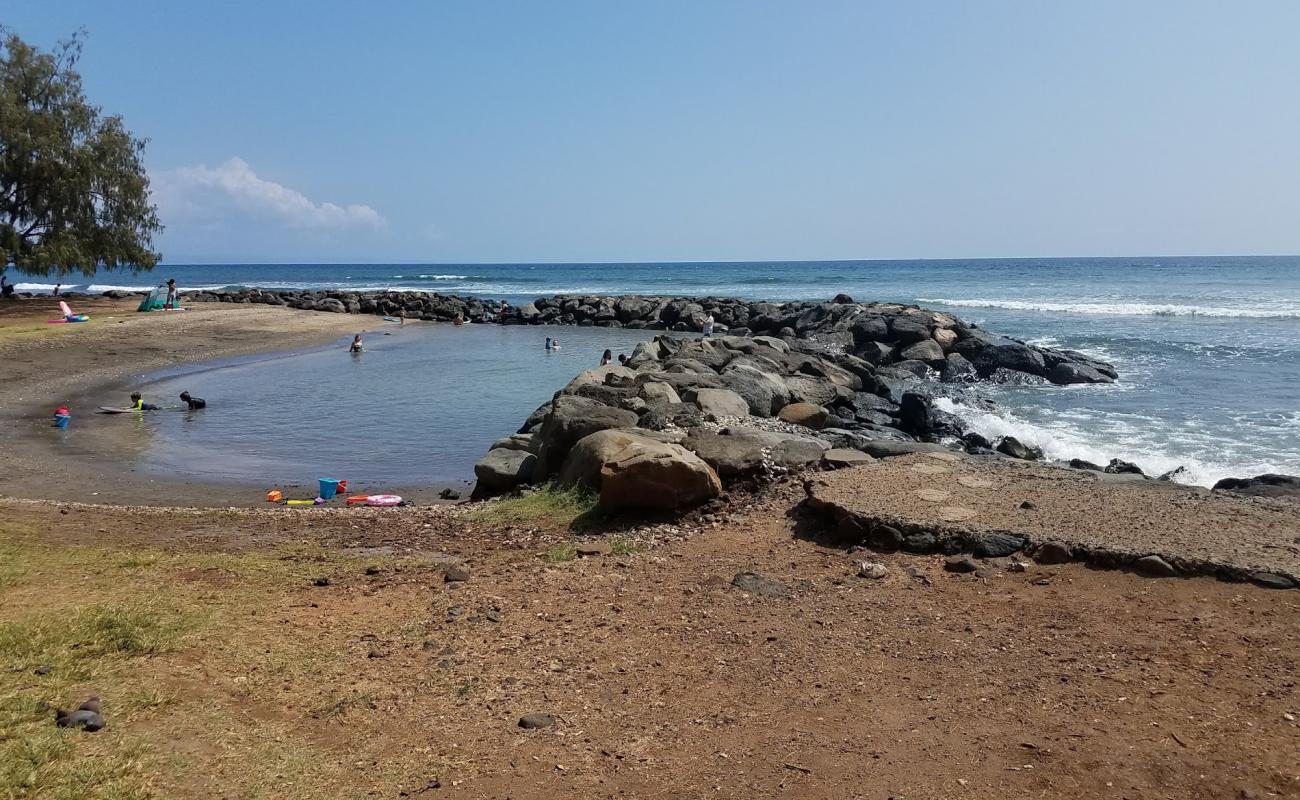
211 195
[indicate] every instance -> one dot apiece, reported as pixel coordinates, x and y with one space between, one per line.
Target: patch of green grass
622 546
36 758
574 508
74 644
559 554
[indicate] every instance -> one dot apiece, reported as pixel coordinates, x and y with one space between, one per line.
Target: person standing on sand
171 294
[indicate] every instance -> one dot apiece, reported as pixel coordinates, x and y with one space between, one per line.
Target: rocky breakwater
428 306
684 417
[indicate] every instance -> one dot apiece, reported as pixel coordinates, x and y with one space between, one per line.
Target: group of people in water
191 402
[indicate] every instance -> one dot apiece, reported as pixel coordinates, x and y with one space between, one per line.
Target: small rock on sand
455 575
932 495
872 569
535 721
585 549
1154 567
960 564
1052 553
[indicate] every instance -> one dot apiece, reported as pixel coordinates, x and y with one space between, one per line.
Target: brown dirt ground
667 682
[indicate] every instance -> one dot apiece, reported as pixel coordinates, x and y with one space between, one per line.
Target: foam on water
1121 309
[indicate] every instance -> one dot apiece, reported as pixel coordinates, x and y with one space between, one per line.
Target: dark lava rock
1121 467
996 544
1154 567
841 299
449 494
923 542
1269 485
1272 580
976 441
321 582
1053 553
1011 446
754 583
1028 505
455 575
1172 474
960 563
1079 463
535 721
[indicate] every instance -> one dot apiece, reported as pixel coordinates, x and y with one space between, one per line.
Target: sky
453 132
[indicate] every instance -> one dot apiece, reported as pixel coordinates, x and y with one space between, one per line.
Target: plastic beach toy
62 417
383 500
358 500
274 496
329 487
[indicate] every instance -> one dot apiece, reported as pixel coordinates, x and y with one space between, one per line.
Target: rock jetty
912 339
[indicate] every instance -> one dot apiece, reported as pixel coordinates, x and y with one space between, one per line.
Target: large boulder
1269 485
570 420
809 415
502 469
635 472
719 403
598 376
926 350
740 452
658 393
764 393
821 391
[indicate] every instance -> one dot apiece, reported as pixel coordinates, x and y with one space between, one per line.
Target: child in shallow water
356 346
138 403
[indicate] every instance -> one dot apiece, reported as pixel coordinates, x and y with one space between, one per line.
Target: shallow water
420 405
1208 348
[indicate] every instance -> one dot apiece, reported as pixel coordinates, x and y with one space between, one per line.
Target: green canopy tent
156 300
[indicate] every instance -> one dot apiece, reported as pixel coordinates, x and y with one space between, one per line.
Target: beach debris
88 716
872 569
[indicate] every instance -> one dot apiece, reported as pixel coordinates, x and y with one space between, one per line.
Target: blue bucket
61 420
329 487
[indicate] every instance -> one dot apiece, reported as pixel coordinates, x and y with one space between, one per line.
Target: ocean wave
100 288
1077 435
1120 309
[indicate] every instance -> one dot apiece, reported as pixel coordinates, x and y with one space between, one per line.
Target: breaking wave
1121 309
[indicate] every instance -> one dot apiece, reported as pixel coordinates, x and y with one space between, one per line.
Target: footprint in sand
932 495
975 482
955 513
929 469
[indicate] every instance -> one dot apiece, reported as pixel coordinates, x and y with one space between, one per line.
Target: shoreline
42 366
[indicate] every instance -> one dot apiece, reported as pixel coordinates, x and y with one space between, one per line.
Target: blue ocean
1208 348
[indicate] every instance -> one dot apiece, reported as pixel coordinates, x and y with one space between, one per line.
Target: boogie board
117 410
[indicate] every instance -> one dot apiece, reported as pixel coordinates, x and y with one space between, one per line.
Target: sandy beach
270 652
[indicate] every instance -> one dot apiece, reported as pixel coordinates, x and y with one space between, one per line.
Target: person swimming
194 403
555 344
356 346
138 403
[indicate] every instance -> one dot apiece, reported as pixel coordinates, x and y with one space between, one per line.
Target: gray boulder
739 452
764 393
1269 485
718 403
571 419
503 469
